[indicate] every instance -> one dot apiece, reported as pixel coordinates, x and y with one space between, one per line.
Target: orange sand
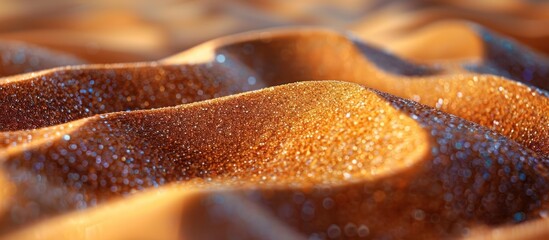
279 133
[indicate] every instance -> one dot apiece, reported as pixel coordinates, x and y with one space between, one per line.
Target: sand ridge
415 125
256 139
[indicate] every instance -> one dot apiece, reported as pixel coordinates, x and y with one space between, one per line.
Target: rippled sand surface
274 120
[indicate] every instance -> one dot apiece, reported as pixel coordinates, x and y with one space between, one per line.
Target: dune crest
339 141
402 120
259 59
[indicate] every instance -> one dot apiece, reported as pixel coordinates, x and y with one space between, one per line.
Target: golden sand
280 133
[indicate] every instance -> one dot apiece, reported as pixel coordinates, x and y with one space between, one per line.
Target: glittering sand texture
369 157
255 60
182 148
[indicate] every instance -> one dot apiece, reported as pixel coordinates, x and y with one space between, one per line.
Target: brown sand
239 137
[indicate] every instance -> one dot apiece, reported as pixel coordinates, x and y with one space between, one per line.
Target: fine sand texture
431 124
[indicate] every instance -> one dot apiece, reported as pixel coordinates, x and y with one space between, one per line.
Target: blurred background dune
124 31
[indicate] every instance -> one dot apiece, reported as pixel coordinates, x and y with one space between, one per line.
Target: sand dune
364 151
268 58
404 119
